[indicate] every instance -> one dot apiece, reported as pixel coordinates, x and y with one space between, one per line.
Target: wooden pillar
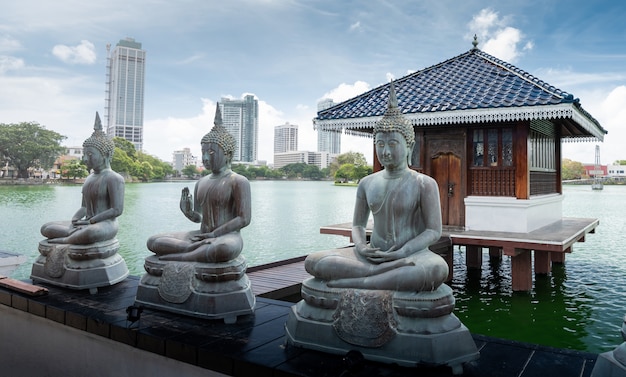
521 270
557 257
473 256
543 263
495 253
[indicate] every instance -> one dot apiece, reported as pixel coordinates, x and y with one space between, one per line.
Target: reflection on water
580 305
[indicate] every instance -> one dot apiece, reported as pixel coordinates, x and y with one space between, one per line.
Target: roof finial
475 43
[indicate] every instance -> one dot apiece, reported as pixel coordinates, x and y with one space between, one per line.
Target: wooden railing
492 182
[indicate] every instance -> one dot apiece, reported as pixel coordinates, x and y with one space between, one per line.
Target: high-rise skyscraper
328 141
241 119
126 66
285 138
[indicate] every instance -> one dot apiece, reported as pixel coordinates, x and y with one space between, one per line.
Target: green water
579 305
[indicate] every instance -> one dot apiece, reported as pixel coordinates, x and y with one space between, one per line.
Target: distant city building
75 152
285 138
124 101
182 158
616 170
319 159
328 141
241 119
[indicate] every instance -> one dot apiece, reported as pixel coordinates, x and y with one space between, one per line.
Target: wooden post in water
473 256
543 263
521 269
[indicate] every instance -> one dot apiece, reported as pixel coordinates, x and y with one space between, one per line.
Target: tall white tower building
285 138
241 119
328 141
124 102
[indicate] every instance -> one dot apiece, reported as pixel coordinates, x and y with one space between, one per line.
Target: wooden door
446 170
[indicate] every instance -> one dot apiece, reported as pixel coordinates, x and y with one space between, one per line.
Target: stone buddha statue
221 204
82 252
385 297
405 208
102 197
201 272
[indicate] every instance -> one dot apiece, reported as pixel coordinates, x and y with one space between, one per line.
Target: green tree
74 169
190 171
144 171
121 163
571 169
354 158
346 172
294 170
312 172
126 146
160 169
29 145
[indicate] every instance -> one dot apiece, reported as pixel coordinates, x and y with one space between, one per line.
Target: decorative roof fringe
505 114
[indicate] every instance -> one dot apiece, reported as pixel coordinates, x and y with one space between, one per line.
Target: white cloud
346 91
164 136
10 63
84 53
355 26
496 37
8 44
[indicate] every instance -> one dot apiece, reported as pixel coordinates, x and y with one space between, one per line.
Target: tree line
29 145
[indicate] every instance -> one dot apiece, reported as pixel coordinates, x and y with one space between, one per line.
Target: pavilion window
492 147
492 170
542 147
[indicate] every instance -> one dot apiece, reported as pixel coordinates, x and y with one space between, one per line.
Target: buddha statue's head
220 136
99 140
394 121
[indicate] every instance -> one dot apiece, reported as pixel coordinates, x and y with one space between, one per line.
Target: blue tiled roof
473 80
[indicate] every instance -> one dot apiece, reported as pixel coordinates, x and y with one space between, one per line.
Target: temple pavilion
490 134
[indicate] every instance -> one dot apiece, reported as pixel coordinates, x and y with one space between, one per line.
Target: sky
290 54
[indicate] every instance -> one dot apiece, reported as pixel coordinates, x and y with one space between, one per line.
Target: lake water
580 305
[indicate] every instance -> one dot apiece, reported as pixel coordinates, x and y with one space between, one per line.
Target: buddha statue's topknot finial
393 120
99 139
220 135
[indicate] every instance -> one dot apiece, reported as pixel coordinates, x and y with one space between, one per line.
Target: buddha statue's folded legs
180 246
344 268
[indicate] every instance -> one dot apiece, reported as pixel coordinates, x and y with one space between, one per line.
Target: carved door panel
446 170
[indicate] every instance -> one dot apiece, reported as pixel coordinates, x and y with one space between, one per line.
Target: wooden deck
549 244
279 280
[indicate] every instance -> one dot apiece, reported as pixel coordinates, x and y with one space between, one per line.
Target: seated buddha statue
221 203
102 197
406 220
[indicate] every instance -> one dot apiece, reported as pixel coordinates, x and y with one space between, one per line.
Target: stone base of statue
80 266
406 328
205 290
611 364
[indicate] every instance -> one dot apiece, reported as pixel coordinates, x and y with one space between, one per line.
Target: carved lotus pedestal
205 290
80 266
406 328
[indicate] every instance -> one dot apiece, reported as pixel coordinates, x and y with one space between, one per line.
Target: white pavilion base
204 290
504 214
405 328
79 266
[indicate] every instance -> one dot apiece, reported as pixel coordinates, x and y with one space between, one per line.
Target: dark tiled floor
255 344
